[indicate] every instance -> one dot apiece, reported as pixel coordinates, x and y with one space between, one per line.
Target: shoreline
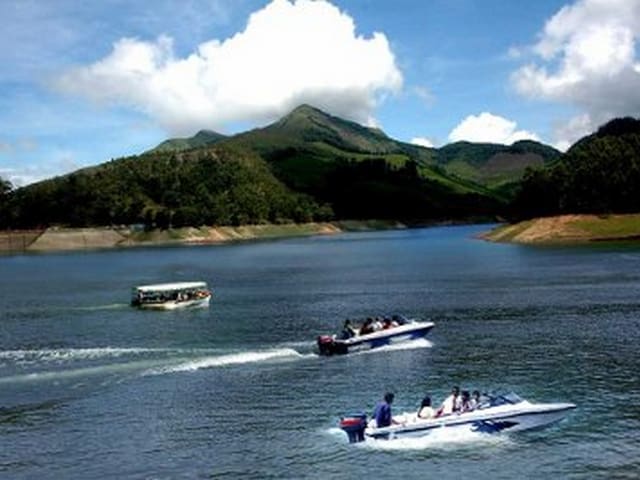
576 229
58 239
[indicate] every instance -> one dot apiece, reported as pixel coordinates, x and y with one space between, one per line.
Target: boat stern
354 426
328 345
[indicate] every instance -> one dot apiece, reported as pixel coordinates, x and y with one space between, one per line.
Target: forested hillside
599 174
215 186
313 166
307 166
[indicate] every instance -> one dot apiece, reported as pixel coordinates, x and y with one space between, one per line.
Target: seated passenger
386 324
367 327
474 403
465 403
382 412
426 411
377 324
451 404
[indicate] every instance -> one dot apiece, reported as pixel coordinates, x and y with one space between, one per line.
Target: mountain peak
306 109
312 124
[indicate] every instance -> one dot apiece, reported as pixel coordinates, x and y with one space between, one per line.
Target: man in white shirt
451 404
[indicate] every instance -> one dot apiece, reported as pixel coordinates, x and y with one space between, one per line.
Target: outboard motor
325 345
354 426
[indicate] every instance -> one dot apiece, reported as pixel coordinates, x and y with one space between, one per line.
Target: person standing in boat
382 413
451 404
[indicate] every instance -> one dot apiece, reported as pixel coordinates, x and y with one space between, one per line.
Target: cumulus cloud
586 57
289 53
490 128
423 142
568 132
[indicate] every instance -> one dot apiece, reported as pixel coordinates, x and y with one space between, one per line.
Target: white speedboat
502 413
170 296
398 329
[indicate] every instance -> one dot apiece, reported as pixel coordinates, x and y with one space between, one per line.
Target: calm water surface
90 388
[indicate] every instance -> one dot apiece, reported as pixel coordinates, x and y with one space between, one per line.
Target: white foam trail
61 375
445 439
71 354
300 344
231 359
112 306
394 347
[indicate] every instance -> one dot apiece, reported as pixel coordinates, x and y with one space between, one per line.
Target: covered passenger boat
373 334
170 296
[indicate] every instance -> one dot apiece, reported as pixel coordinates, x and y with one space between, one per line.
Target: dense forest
311 166
217 186
600 174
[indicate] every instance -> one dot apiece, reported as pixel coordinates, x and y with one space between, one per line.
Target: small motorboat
394 329
501 413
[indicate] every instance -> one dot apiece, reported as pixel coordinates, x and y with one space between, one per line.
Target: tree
5 196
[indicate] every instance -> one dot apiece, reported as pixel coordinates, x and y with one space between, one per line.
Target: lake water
91 388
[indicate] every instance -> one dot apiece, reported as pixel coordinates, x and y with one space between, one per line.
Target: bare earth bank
61 239
568 229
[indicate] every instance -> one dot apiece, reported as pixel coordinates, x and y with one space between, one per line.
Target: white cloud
586 57
567 133
490 128
290 53
423 142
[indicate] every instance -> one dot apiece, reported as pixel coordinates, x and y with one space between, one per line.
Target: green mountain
308 149
307 166
465 166
599 174
201 139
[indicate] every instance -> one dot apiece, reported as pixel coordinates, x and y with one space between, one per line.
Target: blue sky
84 82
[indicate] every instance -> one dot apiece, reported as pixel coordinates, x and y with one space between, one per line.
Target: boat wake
40 365
445 439
111 306
279 354
59 355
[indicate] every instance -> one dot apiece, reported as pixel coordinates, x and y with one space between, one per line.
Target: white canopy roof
171 286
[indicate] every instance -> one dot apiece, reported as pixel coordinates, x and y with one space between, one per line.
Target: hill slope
217 185
465 166
307 166
494 165
598 174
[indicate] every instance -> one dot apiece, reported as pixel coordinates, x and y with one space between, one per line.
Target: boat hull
403 333
520 417
175 305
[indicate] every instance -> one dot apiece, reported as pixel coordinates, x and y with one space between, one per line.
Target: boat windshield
400 319
510 398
